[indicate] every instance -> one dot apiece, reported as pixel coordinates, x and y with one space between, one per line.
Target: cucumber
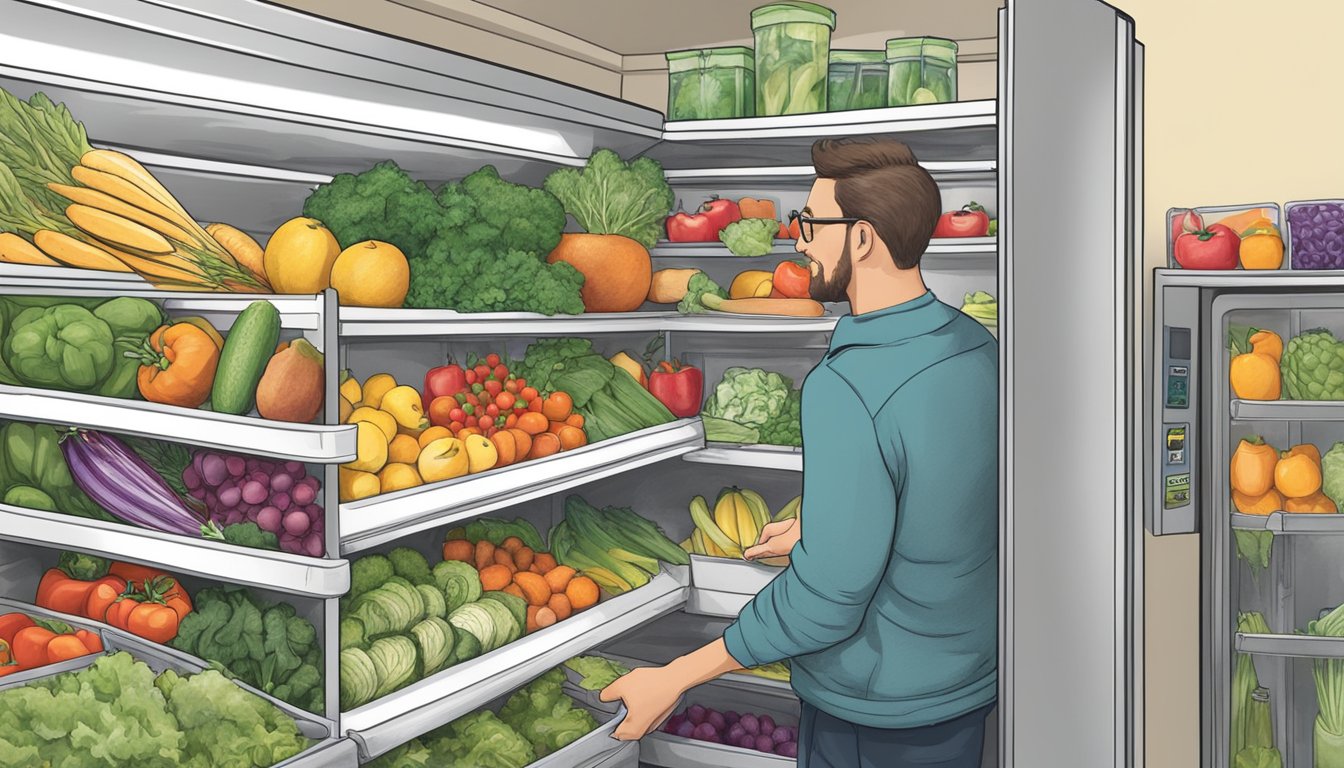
247 350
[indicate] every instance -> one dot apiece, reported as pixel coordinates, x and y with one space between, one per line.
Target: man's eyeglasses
806 223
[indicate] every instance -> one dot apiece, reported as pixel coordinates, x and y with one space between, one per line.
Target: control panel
1175 429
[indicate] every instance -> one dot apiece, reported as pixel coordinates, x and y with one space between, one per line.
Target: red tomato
482 372
470 376
492 410
511 386
505 400
457 414
456 426
529 394
1214 247
493 387
501 371
486 422
970 221
534 405
492 360
522 383
792 280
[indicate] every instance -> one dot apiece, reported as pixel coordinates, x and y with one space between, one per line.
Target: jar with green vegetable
921 70
856 80
793 43
711 84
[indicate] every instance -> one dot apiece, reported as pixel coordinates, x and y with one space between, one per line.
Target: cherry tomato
492 409
455 427
528 393
492 360
469 409
521 383
486 422
535 405
491 432
501 371
511 386
457 414
520 406
482 371
470 377
505 400
493 387
512 421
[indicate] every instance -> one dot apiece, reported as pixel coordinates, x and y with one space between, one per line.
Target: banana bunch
735 523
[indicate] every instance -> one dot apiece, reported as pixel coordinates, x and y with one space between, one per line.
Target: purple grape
211 500
198 493
787 749
251 515
289 543
293 467
696 714
252 464
230 496
269 519
261 478
282 482
191 478
735 733
196 459
235 516
213 470
703 731
313 545
765 744
781 735
746 742
767 725
302 495
235 465
715 719
751 724
731 717
254 492
1317 236
673 723
280 499
686 730
314 513
296 523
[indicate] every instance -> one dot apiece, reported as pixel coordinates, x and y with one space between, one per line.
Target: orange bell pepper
90 640
178 365
155 622
58 591
11 623
63 647
30 646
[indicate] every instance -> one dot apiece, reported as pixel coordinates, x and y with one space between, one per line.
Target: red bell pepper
446 380
792 281
679 387
705 225
970 221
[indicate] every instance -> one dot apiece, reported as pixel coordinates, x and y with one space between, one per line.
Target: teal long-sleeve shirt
888 608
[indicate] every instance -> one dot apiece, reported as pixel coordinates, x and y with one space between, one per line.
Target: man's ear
863 248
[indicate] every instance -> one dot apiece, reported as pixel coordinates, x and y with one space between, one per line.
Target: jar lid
732 56
938 47
858 57
792 12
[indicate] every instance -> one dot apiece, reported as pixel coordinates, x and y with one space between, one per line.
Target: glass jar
711 84
857 80
793 45
921 70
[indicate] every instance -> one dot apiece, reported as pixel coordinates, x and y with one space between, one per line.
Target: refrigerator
241 108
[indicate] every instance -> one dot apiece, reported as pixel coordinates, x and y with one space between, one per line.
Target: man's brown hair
877 179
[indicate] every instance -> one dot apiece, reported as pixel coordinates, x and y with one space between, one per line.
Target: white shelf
722 586
1295 646
255 436
760 456
1290 522
380 519
726 322
978 248
804 174
383 724
1287 410
265 569
363 322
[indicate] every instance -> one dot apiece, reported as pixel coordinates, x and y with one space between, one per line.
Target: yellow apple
404 404
481 453
443 459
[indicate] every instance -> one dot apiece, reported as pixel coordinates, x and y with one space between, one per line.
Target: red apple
1185 221
1214 247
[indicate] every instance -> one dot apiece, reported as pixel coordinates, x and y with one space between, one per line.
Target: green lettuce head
63 347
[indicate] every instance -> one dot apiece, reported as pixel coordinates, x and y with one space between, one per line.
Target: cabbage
394 662
507 629
352 633
476 620
434 639
460 582
226 726
465 647
517 606
597 672
435 605
749 396
1332 474
359 679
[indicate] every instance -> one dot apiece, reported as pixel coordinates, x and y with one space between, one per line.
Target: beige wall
1236 110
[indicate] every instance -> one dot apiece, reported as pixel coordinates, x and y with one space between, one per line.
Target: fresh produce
443 459
698 286
477 245
970 221
75 345
993 227
1254 370
983 307
790 307
443 381
615 547
753 283
1244 683
1214 246
1252 470
16 250
299 256
118 480
33 469
177 365
679 387
610 405
1296 475
121 219
1328 730
292 386
734 525
753 208
597 671
125 715
1315 504
541 713
750 237
1258 757
758 400
279 496
371 274
1332 474
1313 366
611 197
242 361
795 53
144 601
631 366
244 250
617 271
669 285
1317 233
747 731
26 645
791 280
1261 246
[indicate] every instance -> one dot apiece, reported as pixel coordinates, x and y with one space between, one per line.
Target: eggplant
121 482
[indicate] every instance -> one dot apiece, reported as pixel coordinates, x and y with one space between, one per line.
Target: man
888 606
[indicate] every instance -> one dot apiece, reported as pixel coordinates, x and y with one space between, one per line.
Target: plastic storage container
1314 234
856 80
664 749
793 48
1235 216
921 70
711 84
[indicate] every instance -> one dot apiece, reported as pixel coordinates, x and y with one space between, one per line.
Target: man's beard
837 287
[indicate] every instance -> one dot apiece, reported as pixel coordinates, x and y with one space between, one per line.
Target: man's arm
849 495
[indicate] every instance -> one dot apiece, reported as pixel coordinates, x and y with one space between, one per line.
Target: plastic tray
1288 226
722 587
670 751
75 622
588 698
592 749
1211 214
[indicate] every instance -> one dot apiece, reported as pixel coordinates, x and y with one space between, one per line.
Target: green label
1177 491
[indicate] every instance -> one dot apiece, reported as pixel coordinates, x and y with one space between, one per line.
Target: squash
1296 475
1252 472
1267 343
1317 503
1255 376
1306 449
617 271
1264 504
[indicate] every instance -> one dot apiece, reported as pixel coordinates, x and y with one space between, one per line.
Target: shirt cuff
736 643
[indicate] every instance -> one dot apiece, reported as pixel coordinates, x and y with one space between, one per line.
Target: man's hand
649 694
777 540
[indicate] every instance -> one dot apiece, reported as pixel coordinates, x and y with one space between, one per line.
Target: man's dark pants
828 742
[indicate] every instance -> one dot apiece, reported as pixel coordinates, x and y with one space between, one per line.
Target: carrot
240 245
533 423
460 550
101 597
545 617
64 647
524 558
535 589
58 592
532 618
485 554
513 589
11 623
30 646
495 577
535 569
559 605
121 189
582 593
153 621
90 640
16 250
76 253
117 230
792 307
168 268
558 578
502 557
545 562
512 544
115 205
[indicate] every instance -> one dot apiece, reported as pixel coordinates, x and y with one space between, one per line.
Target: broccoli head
697 286
410 565
382 203
487 211
368 573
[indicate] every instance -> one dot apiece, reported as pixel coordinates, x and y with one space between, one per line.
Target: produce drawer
722 587
670 751
590 698
591 750
75 622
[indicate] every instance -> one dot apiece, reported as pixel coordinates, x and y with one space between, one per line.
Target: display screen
1178 343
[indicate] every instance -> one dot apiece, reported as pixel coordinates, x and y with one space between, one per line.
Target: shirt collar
916 317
